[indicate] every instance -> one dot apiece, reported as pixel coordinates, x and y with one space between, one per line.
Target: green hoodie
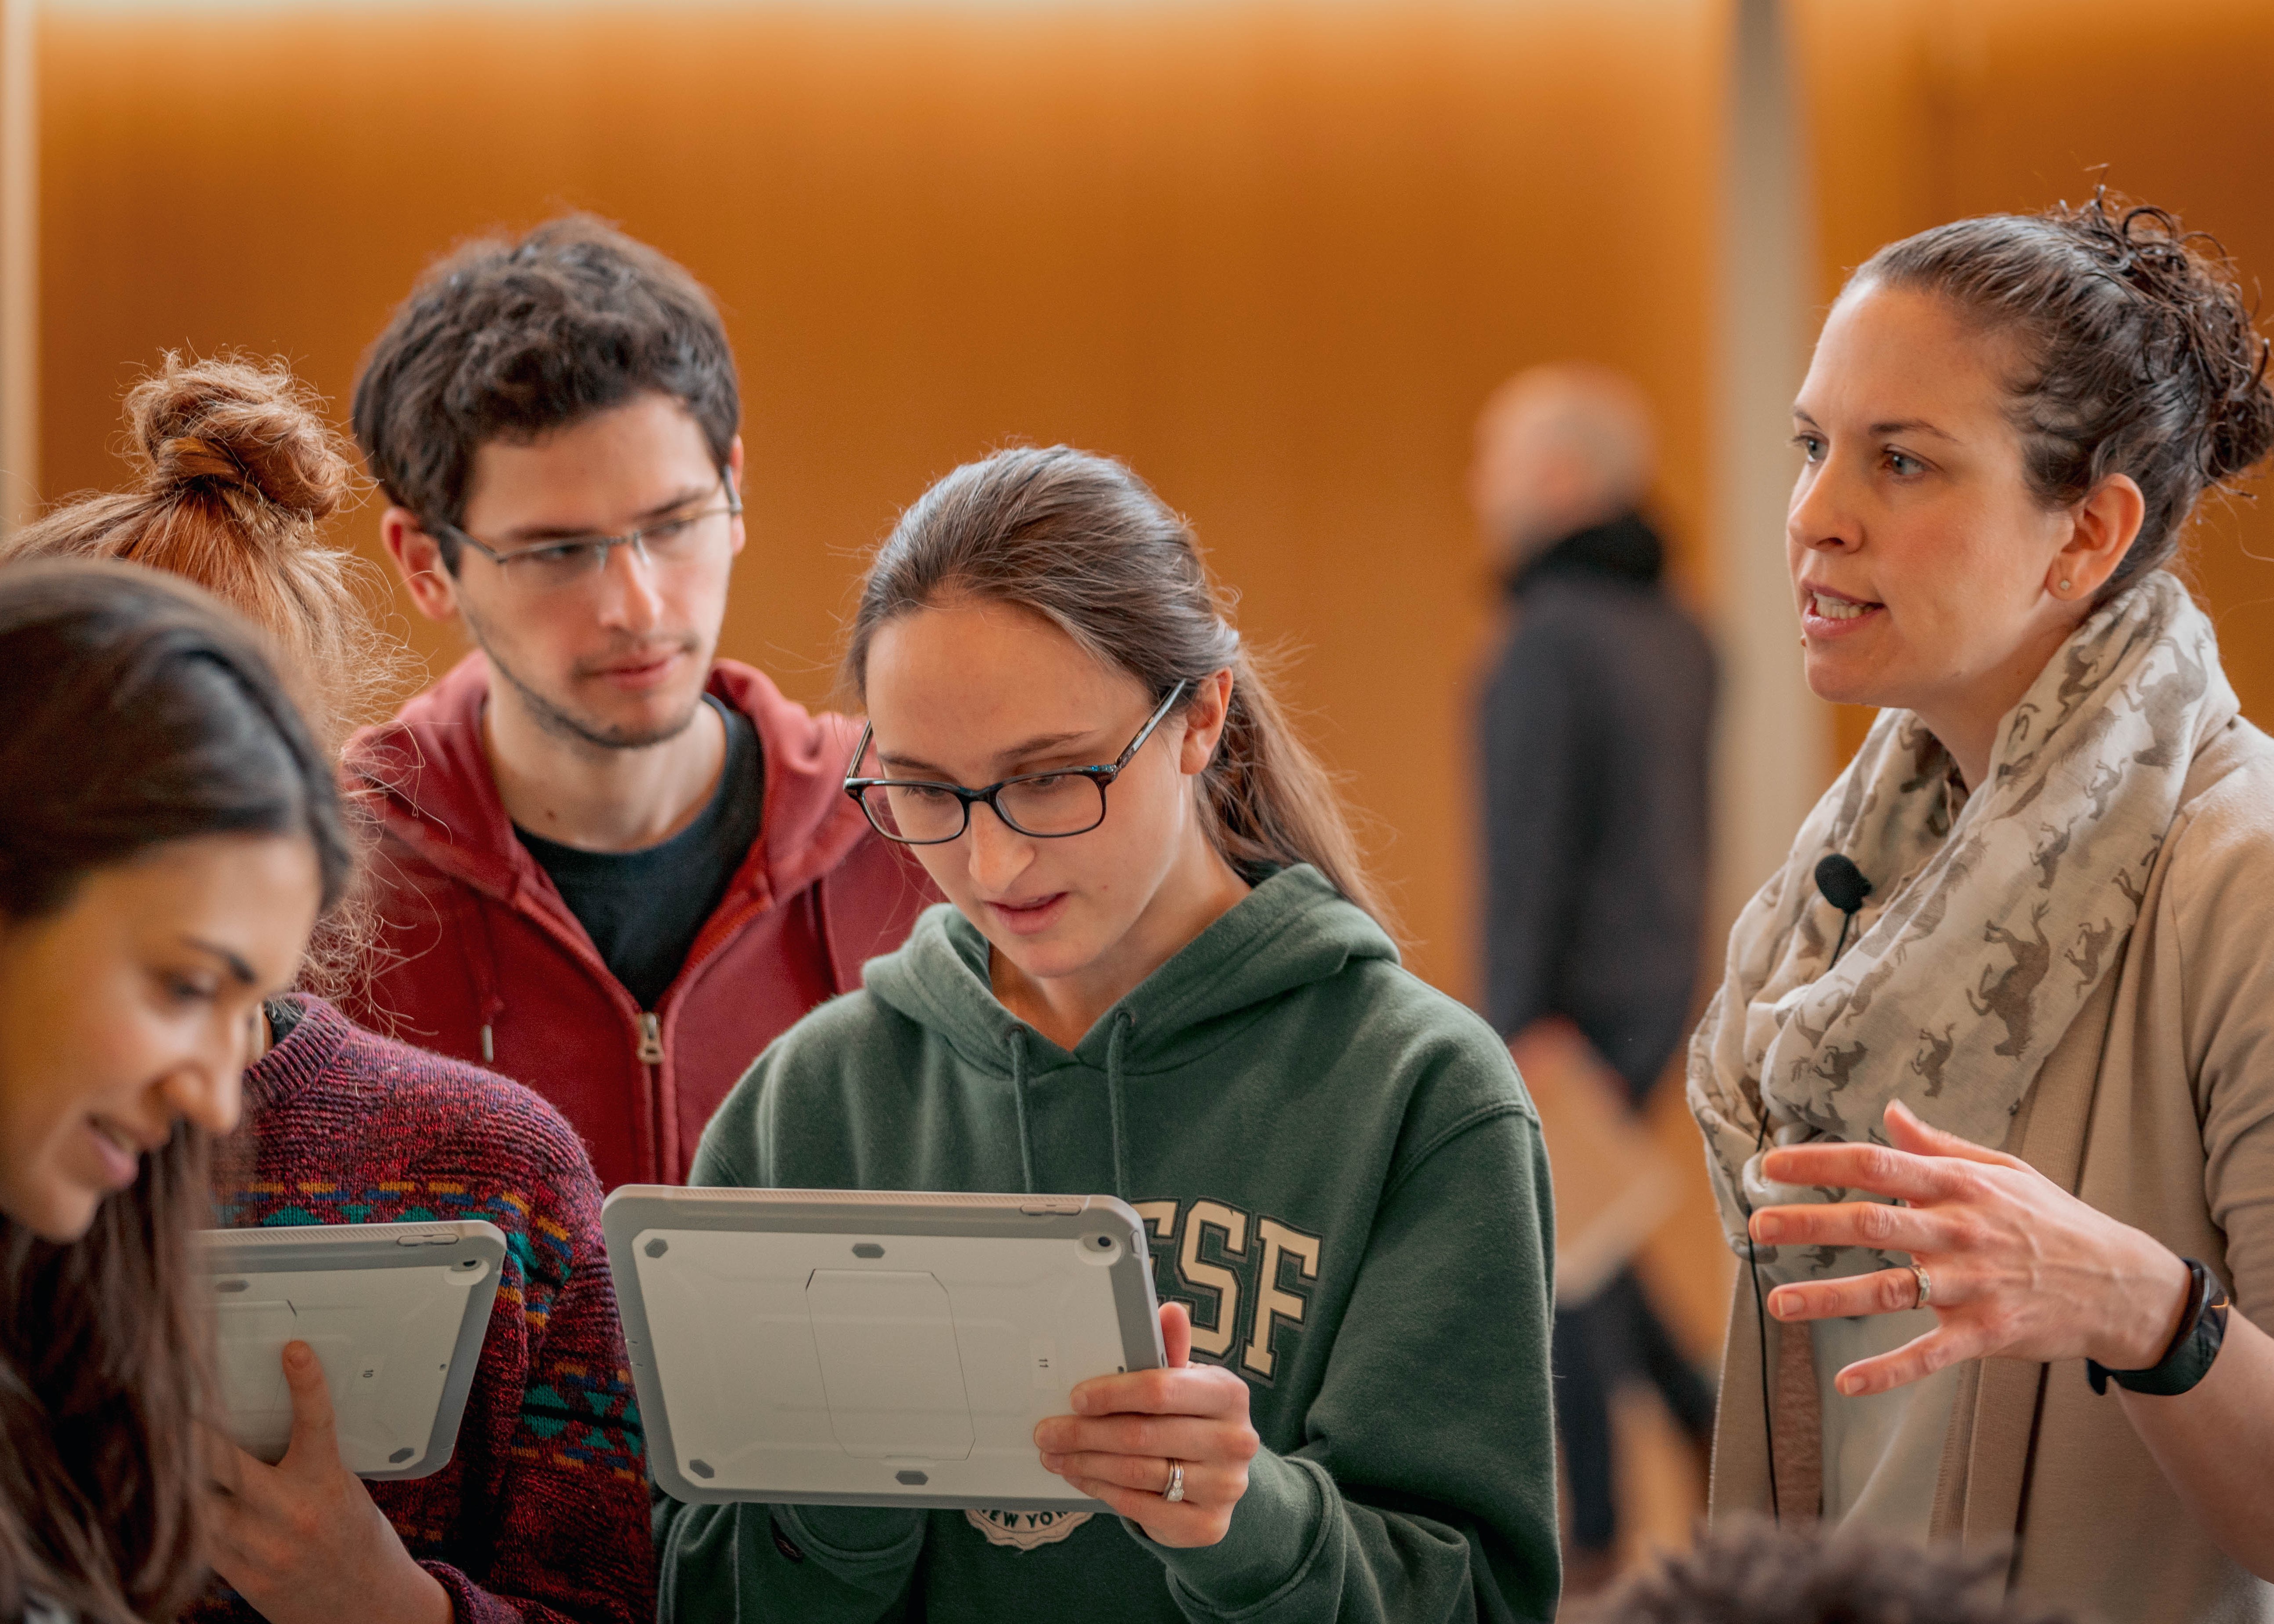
1343 1176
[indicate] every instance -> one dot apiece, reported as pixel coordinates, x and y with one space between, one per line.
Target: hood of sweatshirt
1291 931
427 775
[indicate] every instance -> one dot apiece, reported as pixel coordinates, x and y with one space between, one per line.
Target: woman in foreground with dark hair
168 836
2056 854
236 471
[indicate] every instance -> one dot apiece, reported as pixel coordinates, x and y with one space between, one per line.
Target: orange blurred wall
1273 254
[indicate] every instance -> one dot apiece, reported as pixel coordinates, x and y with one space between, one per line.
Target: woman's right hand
2020 1268
1126 1429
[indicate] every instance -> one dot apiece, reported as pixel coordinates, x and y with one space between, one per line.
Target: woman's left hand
2019 1267
302 1540
1126 1429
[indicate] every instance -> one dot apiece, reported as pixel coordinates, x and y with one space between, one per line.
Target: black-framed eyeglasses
1048 806
576 561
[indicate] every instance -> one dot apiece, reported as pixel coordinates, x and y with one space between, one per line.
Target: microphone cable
1841 883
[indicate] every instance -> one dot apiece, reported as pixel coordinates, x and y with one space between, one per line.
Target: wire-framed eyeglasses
1048 806
576 561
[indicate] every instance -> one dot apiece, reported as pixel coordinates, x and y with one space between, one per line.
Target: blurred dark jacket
1595 732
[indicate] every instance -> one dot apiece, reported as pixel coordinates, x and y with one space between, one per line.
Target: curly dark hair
2137 354
1751 1571
509 341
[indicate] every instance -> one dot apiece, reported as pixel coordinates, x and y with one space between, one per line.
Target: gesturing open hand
2020 1268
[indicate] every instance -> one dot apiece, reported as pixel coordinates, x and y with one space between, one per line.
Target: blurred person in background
236 472
614 866
2067 832
1752 1571
169 833
1592 741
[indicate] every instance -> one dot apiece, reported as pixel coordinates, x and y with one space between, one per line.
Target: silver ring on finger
1925 1287
1175 1491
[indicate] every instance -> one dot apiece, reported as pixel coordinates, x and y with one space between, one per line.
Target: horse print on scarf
1995 912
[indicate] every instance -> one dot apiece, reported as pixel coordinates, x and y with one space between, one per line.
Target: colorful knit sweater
541 1517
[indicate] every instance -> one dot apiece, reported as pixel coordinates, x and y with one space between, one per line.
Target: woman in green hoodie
1160 973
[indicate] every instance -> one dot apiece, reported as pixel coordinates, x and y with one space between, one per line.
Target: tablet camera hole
1100 1246
232 1285
867 1248
656 1247
913 1479
701 1469
401 1456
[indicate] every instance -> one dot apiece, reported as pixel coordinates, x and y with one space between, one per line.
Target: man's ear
418 560
1204 721
2103 528
734 479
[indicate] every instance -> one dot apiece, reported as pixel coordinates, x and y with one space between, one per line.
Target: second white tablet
396 1312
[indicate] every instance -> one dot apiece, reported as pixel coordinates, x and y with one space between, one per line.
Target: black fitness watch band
2189 1359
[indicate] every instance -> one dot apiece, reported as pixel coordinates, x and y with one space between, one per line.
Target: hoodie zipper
650 1040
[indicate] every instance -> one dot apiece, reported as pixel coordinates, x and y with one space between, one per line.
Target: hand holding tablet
302 1540
1167 1448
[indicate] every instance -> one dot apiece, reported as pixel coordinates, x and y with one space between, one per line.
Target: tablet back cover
396 1312
868 1348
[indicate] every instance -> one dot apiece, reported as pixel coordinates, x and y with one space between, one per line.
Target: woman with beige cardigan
2035 913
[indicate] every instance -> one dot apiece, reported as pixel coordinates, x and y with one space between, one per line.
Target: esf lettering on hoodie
1247 1277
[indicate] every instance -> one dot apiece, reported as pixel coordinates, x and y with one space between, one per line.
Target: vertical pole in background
19 262
1774 749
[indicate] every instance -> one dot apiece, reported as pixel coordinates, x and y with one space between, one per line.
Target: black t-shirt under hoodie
643 909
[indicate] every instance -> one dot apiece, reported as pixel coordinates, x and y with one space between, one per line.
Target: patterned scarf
1993 917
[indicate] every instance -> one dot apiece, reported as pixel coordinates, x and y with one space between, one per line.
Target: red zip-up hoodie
478 956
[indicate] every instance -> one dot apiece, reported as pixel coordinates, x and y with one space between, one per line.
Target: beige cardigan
2157 1108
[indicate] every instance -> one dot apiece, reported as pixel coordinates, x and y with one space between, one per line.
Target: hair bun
233 427
2242 421
2189 276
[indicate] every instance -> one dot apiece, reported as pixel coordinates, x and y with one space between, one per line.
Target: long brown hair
1082 541
236 472
139 713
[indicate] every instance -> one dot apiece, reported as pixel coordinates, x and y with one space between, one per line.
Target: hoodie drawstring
1123 1021
483 966
1019 1098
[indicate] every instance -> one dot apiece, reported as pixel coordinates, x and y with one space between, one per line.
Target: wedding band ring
1925 1287
1175 1491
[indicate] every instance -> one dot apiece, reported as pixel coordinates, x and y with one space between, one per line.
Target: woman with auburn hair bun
169 832
237 472
1988 1089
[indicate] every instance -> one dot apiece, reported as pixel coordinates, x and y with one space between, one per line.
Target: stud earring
2064 586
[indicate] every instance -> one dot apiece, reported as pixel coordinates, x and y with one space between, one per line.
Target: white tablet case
396 1313
821 1346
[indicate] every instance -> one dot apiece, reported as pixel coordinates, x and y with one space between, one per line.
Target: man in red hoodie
613 867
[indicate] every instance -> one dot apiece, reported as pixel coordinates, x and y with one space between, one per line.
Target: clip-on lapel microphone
1841 883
